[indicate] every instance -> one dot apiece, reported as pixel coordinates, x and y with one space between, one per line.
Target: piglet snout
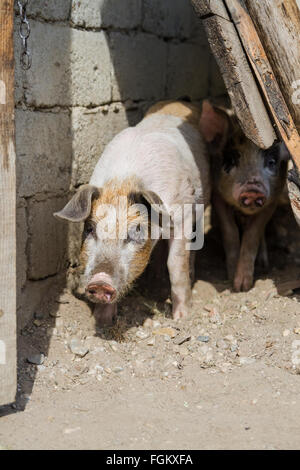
252 199
100 288
103 292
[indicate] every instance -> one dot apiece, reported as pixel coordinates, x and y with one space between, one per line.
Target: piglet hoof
242 282
105 314
180 312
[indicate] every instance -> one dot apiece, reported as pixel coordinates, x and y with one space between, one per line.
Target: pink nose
103 292
252 199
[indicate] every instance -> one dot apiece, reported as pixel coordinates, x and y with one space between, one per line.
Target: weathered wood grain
238 78
7 209
210 7
265 76
278 26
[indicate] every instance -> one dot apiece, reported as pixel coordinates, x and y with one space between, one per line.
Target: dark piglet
247 185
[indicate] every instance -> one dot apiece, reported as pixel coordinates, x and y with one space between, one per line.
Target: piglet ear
214 126
154 200
79 207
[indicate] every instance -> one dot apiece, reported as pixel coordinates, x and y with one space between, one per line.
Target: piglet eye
136 234
89 229
272 163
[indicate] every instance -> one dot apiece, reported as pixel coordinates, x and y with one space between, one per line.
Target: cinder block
21 228
188 71
48 238
44 152
168 18
69 67
90 68
106 13
92 131
53 10
139 66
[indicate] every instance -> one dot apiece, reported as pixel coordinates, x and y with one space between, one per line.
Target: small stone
230 338
41 368
148 323
167 338
55 314
37 323
36 359
118 369
214 316
96 370
203 339
233 347
165 331
296 344
77 347
286 333
114 346
208 308
246 360
182 339
71 430
221 344
151 342
156 324
209 356
142 334
297 331
296 358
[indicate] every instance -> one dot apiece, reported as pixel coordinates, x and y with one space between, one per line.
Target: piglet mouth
101 292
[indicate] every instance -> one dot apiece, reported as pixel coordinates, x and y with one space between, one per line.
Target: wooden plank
278 26
210 7
240 83
7 209
265 76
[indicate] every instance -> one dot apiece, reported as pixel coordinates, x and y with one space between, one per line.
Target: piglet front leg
252 237
179 267
105 314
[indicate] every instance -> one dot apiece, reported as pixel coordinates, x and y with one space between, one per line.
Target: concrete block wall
97 65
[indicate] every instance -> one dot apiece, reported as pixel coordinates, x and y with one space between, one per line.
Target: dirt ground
228 377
